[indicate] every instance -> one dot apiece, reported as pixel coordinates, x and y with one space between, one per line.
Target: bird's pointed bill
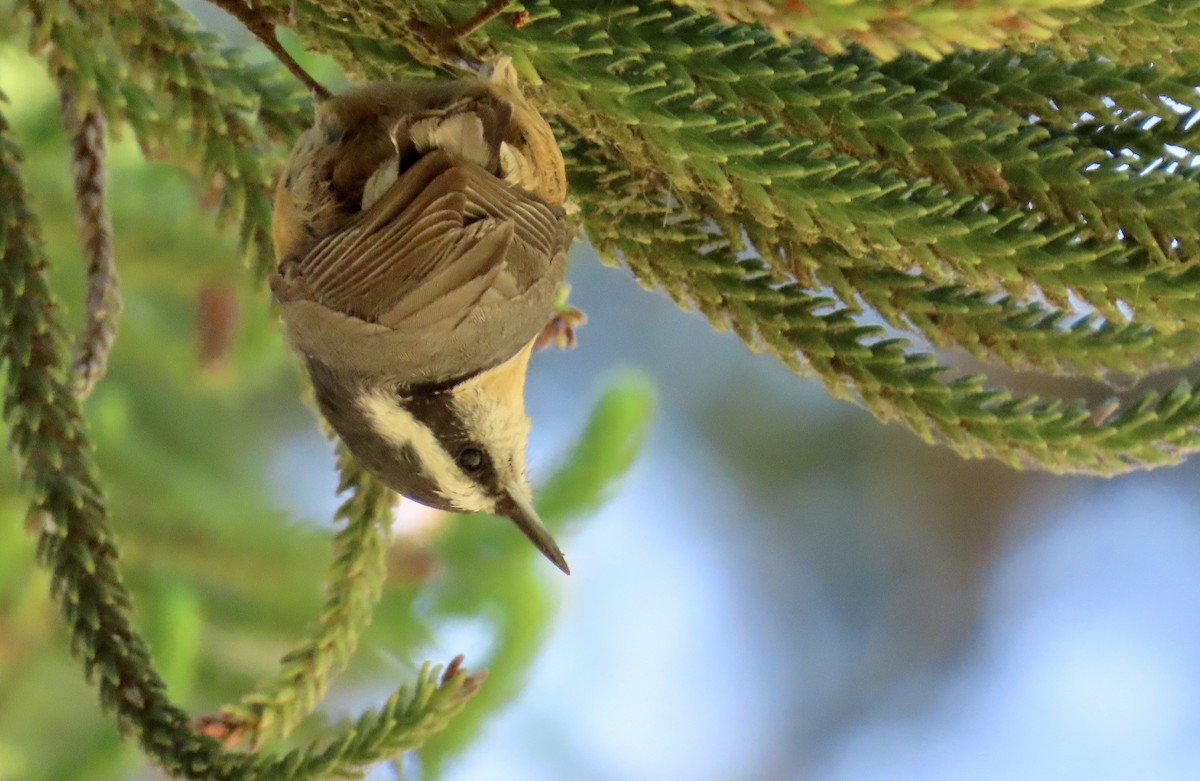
517 508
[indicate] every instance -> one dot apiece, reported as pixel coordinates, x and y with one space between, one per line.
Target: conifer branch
1058 92
1027 337
67 508
353 588
1126 31
1120 110
1020 335
364 47
710 120
930 29
263 28
68 513
406 720
103 302
1132 32
79 55
930 126
184 97
817 334
217 96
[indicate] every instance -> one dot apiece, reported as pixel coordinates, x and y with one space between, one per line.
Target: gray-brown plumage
421 242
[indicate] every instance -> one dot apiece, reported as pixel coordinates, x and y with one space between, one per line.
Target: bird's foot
288 285
560 331
226 729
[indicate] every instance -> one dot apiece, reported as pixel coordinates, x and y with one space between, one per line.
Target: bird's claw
560 331
287 285
225 729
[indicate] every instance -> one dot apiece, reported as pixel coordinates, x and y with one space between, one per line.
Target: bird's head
457 446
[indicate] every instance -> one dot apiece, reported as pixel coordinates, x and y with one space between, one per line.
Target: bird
421 239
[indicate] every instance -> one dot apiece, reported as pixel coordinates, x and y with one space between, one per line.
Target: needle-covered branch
1134 31
791 143
353 587
68 514
187 98
67 506
86 130
815 333
888 27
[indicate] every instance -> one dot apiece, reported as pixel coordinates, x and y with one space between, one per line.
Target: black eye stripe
435 410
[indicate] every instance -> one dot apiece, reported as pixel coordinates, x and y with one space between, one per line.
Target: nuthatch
421 241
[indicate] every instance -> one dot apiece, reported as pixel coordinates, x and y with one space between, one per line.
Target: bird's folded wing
445 235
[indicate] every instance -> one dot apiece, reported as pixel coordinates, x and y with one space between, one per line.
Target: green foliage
1135 32
187 98
1033 207
163 462
931 28
74 541
354 587
67 509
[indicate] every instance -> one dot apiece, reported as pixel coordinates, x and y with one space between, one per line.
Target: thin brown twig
86 129
487 14
264 29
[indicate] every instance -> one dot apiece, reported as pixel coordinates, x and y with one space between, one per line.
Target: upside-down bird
421 242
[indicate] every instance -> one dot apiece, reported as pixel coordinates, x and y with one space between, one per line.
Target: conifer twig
815 333
264 30
86 129
69 514
485 15
68 511
930 28
237 111
353 588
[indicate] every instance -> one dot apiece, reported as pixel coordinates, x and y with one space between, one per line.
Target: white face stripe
400 428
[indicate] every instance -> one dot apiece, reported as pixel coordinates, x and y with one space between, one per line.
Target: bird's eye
471 459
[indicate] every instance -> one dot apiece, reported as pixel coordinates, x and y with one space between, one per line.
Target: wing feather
444 236
479 253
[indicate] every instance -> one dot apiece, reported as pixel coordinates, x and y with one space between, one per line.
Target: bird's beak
516 507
